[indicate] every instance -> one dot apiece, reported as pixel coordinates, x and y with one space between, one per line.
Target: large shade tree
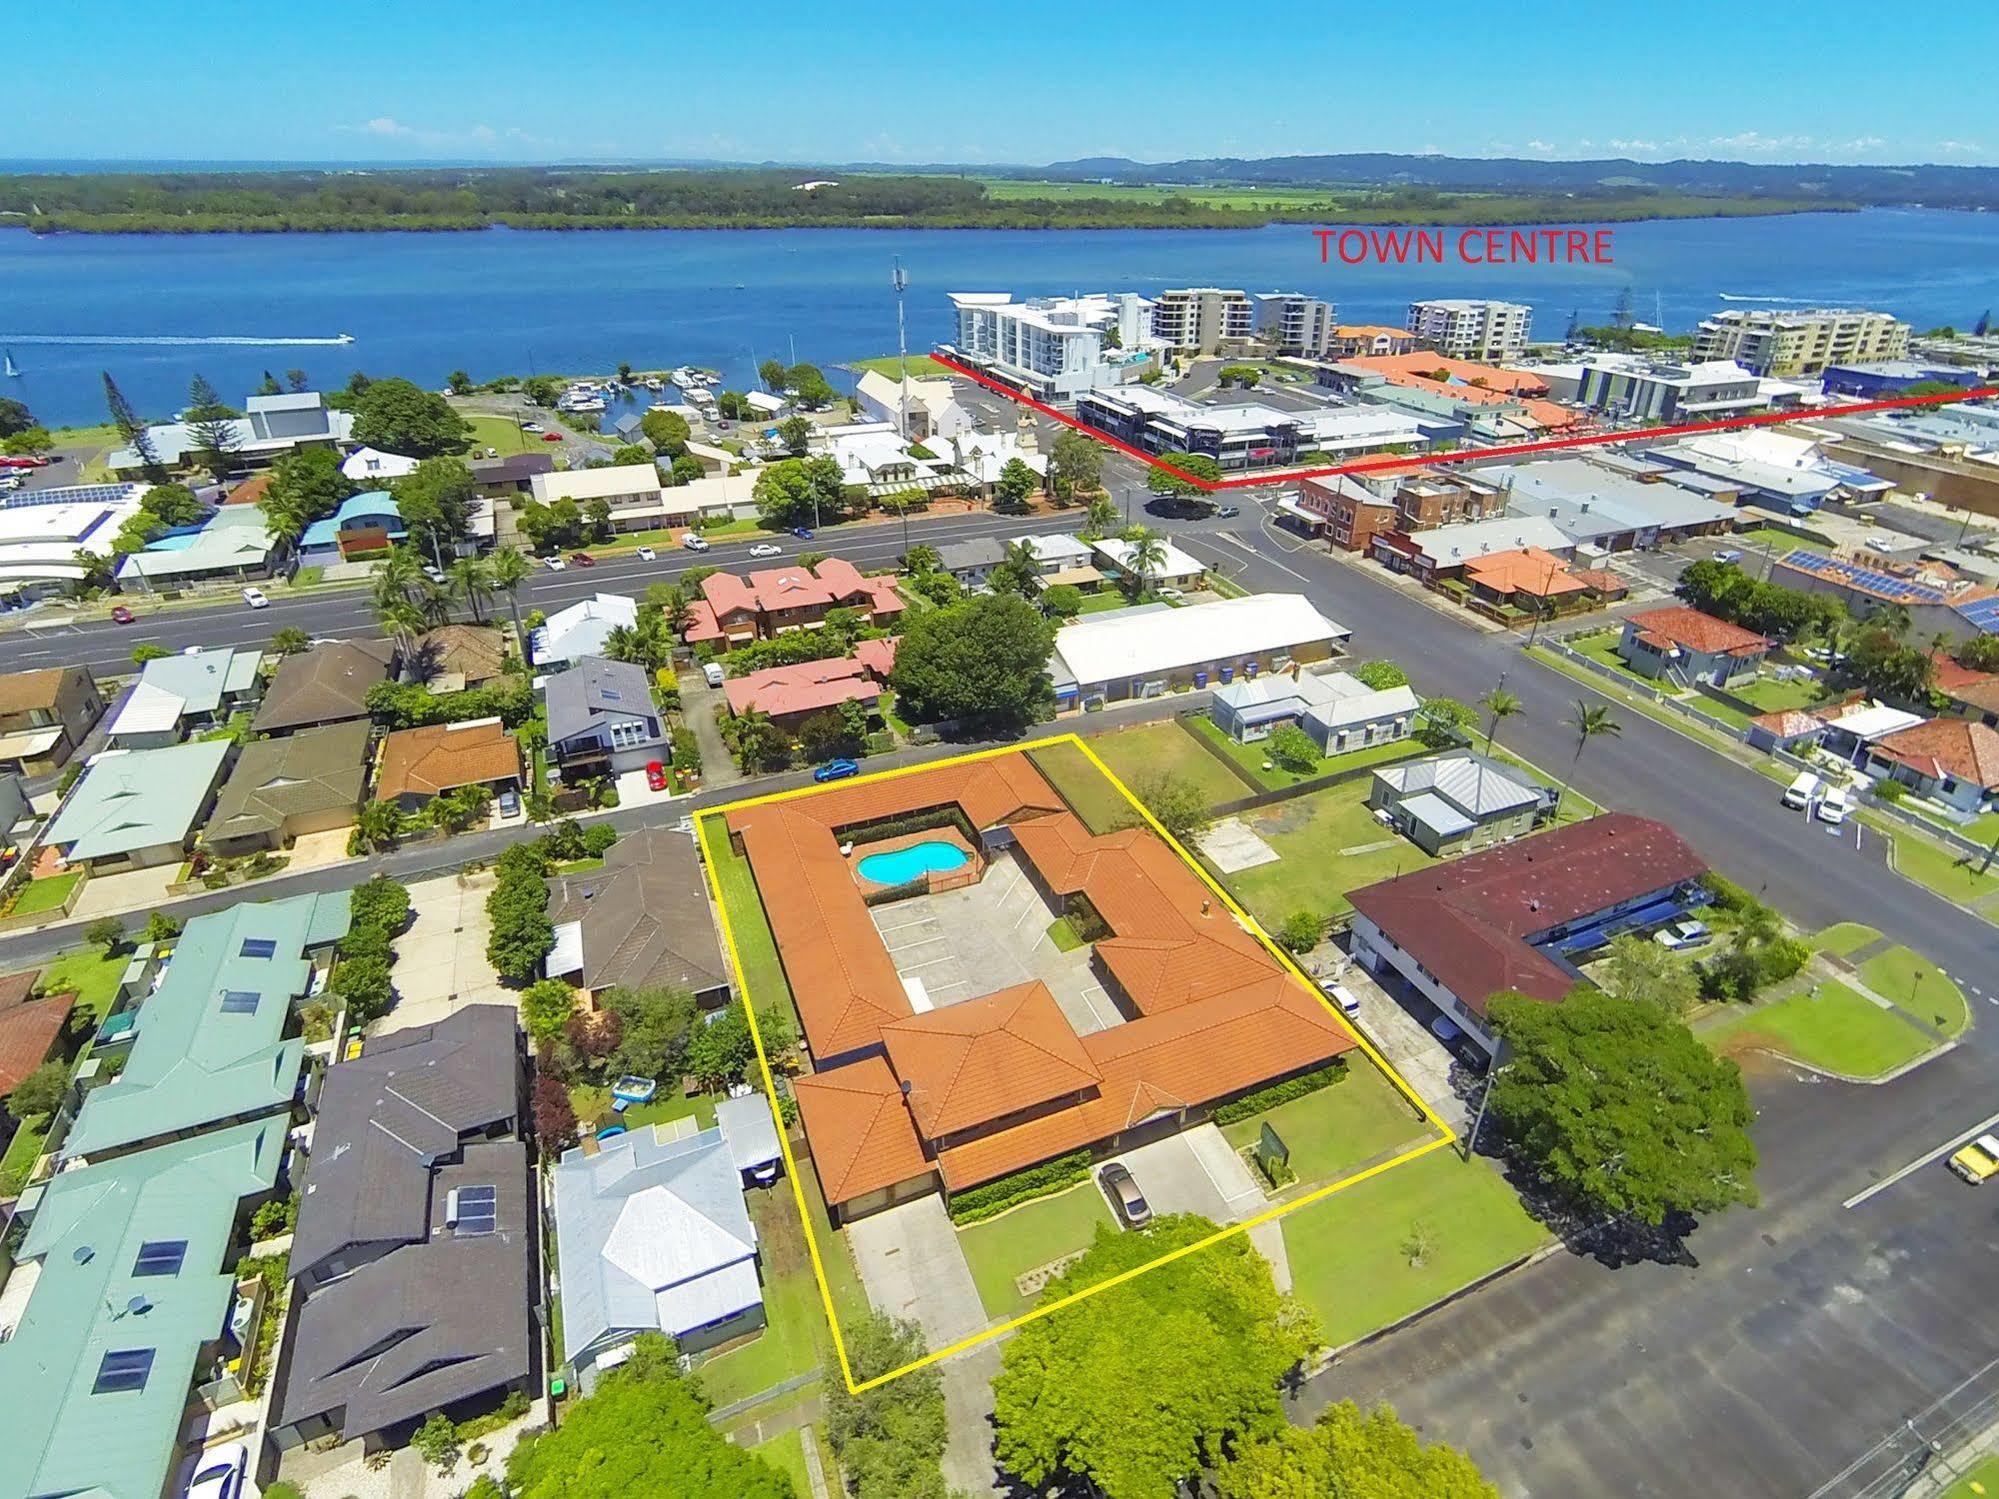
398 416
982 662
1346 1455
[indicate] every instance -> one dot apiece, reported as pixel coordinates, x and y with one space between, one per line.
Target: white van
712 670
1798 795
1834 805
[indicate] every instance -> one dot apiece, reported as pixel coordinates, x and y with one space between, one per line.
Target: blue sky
1030 82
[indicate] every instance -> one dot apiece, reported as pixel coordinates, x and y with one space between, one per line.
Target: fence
1642 688
1926 1452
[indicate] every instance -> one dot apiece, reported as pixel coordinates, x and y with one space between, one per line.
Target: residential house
134 809
45 715
931 407
629 496
1147 652
417 1247
327 684
792 694
14 808
119 1303
282 789
642 921
454 657
777 600
365 525
653 1235
1938 601
502 478
1518 917
1174 567
1337 709
216 1041
1528 580
1449 803
972 562
31 1030
602 720
1951 760
1063 560
1850 729
418 764
270 427
583 629
43 530
188 693
1368 340
1686 646
1464 399
373 466
234 544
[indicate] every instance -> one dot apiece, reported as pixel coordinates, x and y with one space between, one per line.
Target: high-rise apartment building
1203 319
1465 329
1298 325
1781 341
1051 347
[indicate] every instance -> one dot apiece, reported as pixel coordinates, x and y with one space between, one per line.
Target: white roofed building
568 635
1147 652
269 427
42 530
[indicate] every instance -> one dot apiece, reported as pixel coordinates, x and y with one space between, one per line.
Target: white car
692 542
254 597
646 554
530 426
554 564
1683 934
433 572
766 549
221 1473
1341 995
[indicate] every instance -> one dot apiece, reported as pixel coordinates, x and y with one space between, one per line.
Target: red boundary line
1464 455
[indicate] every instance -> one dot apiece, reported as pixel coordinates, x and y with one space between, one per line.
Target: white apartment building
1635 388
1780 341
1485 332
1051 347
1203 319
1300 325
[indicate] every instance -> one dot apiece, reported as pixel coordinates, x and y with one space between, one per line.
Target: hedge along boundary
1303 1085
994 1197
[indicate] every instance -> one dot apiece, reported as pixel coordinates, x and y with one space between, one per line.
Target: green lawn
1102 601
1350 1259
1779 541
1026 1239
499 432
593 1105
786 1452
1844 938
756 950
1062 932
1980 1480
1632 700
1602 649
47 894
920 366
1830 1027
1918 986
22 1152
1771 696
1714 707
1311 873
91 974
1156 749
1950 874
1337 1130
1254 757
1092 798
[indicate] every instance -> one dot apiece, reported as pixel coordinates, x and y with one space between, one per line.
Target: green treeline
572 198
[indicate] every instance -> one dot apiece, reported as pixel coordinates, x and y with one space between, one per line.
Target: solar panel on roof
160 1257
477 1210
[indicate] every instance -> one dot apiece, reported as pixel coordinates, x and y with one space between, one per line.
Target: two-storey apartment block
1471 329
778 600
1782 341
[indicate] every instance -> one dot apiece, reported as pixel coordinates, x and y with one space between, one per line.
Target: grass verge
1844 938
1831 1027
91 973
1338 1129
1920 987
1091 797
1026 1238
763 975
1167 748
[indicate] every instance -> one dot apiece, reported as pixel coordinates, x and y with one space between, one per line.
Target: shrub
1781 959
365 985
1889 792
1727 895
1306 1083
1381 674
1301 931
1009 1191
40 1092
554 1116
380 902
436 1442
1294 749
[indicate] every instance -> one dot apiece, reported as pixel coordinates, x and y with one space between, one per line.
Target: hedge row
1251 1104
1008 1191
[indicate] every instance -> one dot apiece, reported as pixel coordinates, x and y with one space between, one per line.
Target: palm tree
290 641
509 569
1499 705
396 575
472 580
1147 555
1590 721
1099 514
379 824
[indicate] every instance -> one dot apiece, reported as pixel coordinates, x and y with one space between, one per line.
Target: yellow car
1978 1160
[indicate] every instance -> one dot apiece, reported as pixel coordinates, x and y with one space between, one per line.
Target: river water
155 309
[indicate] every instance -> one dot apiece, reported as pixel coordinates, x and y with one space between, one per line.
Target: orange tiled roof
1946 746
1950 676
862 1137
783 691
1370 330
1789 723
969 1063
834 583
1679 625
1529 570
423 762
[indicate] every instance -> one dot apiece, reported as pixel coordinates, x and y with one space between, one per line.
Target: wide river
155 310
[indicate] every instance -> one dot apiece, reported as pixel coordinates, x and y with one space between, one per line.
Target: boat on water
12 370
344 338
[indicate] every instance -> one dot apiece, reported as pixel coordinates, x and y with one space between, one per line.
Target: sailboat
13 370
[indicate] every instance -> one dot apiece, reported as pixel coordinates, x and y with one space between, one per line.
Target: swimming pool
912 861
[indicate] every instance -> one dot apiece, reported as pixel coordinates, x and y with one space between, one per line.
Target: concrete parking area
1397 1020
441 963
1198 1171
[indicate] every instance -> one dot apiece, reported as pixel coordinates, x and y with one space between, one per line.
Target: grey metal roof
1474 784
594 691
748 1130
981 551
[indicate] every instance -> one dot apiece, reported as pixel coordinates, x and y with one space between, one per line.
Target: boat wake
1740 296
171 342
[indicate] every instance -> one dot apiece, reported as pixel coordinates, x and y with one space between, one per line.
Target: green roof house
138 808
210 1045
127 1297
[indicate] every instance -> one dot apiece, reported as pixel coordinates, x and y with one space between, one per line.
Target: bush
382 903
598 838
40 1092
1301 931
1294 749
1727 895
1781 959
365 986
1381 674
995 1197
1306 1083
1890 792
278 1216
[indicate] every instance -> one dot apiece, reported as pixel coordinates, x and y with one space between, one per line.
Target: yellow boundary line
1445 1134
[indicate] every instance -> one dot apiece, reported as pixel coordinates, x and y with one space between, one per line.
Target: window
160 1257
240 1001
473 1210
258 947
123 1369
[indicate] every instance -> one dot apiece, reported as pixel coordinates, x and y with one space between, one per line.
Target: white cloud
1541 146
1755 143
1960 148
380 125
1643 148
484 136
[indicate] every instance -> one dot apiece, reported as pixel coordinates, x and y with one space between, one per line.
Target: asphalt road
1799 1331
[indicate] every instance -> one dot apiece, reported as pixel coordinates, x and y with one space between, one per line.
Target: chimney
1207 905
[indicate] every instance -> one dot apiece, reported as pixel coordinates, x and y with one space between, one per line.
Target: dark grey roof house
416 1246
641 921
602 718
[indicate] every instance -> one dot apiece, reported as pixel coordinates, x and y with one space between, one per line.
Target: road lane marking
1922 1160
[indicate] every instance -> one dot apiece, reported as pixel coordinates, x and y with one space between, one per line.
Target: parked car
510 803
766 549
1978 1160
530 426
433 572
1116 1180
655 776
1446 1030
646 554
220 1473
1798 795
554 564
254 597
1834 805
712 671
692 542
551 437
803 533
1228 512
582 559
1341 995
1683 934
1729 554
836 770
120 615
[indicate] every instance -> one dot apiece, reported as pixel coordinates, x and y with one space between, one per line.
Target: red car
30 461
582 559
551 437
656 776
120 615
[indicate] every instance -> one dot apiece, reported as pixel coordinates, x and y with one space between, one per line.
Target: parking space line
1921 1161
929 963
897 947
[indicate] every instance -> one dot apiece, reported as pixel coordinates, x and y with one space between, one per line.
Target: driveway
441 961
139 890
1397 1021
1198 1171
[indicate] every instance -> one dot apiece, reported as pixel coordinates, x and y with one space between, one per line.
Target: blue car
836 770
803 533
